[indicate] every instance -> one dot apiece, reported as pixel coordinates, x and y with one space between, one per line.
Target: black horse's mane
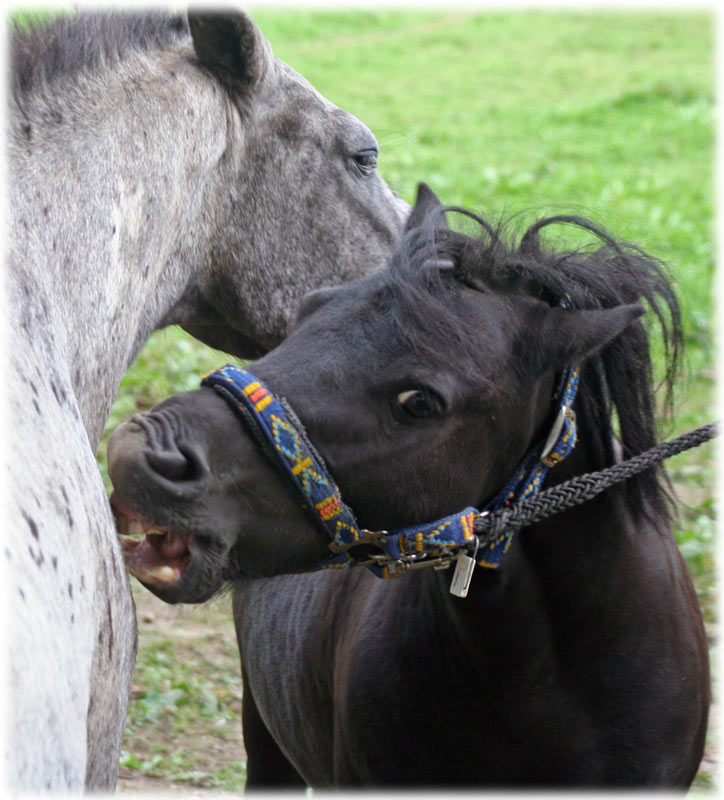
86 41
618 382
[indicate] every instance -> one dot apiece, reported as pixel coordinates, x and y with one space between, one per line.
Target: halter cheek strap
386 553
528 478
284 440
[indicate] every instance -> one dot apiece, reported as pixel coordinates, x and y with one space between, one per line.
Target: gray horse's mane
87 41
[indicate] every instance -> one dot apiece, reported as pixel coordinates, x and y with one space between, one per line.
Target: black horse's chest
343 713
361 684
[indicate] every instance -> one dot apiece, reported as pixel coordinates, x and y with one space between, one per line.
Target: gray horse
163 170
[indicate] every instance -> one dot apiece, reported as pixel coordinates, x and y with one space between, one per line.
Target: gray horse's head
167 169
216 186
304 204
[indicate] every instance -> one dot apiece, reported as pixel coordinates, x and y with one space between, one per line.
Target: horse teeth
134 527
163 574
128 543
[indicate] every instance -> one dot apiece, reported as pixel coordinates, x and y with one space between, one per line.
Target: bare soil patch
184 729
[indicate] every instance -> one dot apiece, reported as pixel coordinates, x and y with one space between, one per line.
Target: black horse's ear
567 337
231 46
426 203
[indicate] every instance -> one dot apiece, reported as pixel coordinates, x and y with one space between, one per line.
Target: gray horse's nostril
183 464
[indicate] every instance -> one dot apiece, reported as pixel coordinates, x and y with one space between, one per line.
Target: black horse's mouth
156 555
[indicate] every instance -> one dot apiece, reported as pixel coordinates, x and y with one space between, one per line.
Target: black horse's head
421 386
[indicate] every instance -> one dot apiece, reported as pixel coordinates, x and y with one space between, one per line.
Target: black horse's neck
569 557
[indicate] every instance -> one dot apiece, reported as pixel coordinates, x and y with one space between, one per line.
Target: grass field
609 114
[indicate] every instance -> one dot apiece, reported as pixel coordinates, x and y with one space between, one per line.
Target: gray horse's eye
366 160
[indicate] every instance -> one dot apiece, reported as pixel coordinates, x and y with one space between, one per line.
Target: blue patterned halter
387 553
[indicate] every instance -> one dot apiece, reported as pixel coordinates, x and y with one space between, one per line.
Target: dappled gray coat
156 178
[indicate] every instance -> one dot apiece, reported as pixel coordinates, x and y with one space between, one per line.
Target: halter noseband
388 553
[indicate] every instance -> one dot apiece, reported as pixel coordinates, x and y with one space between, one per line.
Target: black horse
581 660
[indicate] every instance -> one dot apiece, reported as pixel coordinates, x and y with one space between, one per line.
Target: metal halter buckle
396 565
375 538
563 413
400 566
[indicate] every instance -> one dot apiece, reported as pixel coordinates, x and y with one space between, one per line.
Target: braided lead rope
491 526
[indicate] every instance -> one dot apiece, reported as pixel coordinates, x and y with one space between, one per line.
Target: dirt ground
201 638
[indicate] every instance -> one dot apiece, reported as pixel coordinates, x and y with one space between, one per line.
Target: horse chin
176 566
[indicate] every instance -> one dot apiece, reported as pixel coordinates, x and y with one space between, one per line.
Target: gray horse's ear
231 46
426 203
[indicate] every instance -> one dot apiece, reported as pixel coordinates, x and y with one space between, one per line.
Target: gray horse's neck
106 240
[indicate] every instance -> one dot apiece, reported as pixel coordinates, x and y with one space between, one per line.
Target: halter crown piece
388 553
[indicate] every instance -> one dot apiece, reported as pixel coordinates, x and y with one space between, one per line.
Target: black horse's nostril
182 464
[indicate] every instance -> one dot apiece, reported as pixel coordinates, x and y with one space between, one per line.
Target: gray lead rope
491 526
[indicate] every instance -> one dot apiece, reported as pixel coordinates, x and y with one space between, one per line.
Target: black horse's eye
417 404
366 161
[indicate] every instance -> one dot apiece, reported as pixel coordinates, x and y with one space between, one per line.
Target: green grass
609 114
29 18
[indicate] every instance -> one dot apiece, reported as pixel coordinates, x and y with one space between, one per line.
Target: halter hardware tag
464 566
